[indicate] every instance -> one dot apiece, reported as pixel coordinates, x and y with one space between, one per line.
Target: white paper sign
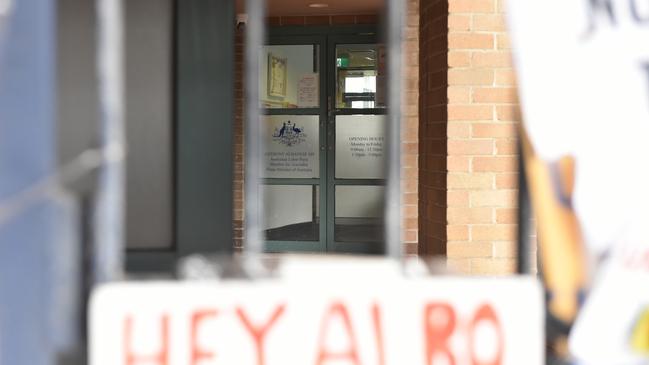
290 146
307 91
333 320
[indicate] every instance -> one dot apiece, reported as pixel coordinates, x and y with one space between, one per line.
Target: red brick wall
468 119
482 155
433 73
238 138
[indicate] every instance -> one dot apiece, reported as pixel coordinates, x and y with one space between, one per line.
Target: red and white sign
326 321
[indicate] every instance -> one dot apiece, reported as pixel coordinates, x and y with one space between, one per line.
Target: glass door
356 129
323 130
292 93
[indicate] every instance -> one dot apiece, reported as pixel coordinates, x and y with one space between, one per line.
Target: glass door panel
289 76
360 76
360 146
290 146
291 212
359 213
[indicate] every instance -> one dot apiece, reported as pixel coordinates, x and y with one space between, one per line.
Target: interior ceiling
301 7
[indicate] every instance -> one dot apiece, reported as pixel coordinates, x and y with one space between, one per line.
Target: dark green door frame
203 115
327 38
321 111
332 244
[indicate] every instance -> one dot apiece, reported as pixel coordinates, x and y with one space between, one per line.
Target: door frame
332 181
321 112
327 37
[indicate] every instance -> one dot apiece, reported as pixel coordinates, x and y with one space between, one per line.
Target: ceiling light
319 5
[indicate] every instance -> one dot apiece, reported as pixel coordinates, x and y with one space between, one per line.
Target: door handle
330 107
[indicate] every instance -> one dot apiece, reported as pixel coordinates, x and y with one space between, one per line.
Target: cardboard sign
389 321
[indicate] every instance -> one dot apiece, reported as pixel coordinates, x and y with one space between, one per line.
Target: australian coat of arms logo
289 134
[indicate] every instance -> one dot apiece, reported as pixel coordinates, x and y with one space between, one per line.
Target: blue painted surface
35 255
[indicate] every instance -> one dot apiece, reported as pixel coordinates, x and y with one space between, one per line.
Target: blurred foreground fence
39 259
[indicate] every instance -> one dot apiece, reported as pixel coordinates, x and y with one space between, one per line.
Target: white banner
583 72
584 86
388 321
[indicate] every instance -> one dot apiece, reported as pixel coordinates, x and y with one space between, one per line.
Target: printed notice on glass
307 91
290 146
360 146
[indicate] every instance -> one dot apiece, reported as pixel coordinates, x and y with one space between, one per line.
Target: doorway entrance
323 101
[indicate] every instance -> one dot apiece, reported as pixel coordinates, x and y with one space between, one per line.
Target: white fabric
585 93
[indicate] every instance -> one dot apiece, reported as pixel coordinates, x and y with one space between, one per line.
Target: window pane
360 76
360 150
291 212
289 76
359 213
290 146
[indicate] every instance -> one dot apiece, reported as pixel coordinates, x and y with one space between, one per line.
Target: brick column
410 129
479 99
482 160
